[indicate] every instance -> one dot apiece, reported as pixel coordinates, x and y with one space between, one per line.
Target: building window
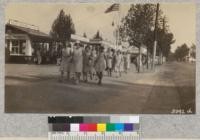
18 47
7 44
15 47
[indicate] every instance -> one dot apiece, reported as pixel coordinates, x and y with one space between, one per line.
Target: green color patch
110 127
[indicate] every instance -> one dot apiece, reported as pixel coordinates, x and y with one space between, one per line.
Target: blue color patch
119 127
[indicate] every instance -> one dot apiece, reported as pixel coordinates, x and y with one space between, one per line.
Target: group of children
92 62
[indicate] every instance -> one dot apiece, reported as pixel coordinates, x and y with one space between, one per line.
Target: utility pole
155 36
118 24
161 49
164 22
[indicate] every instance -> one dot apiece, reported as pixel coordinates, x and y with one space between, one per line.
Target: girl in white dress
78 62
100 64
109 58
65 62
86 63
118 62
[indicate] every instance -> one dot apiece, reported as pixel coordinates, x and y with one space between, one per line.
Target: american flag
113 7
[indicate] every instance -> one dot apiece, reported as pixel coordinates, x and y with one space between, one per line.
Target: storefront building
22 42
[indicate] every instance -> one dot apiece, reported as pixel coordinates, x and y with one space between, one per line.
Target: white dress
109 60
78 60
128 61
118 62
65 61
100 63
122 64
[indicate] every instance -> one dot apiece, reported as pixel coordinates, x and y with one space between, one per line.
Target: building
79 38
191 57
22 40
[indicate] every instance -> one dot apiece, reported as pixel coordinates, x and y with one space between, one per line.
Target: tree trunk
154 54
155 37
140 59
160 57
147 58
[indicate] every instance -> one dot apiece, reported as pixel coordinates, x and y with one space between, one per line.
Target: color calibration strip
94 128
94 124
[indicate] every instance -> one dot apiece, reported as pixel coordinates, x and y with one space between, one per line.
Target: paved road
33 88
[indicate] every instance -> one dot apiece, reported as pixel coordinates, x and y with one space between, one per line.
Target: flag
113 7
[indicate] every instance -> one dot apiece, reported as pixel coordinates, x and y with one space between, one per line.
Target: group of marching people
91 62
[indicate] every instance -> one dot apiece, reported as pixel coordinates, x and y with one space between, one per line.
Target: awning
135 50
16 37
79 38
35 35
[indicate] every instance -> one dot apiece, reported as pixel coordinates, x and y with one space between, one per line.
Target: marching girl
65 62
109 58
118 61
86 63
77 62
92 60
100 64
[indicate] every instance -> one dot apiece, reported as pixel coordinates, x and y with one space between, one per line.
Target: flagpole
115 7
118 22
116 35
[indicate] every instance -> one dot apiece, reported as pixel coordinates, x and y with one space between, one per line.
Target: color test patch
83 127
136 126
110 127
74 127
61 127
119 127
101 127
88 127
92 127
128 127
66 127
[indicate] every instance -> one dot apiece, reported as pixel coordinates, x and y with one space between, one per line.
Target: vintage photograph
100 58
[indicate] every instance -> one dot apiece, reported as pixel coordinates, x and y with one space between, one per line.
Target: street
35 89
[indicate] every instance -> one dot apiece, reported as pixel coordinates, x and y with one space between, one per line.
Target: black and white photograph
100 58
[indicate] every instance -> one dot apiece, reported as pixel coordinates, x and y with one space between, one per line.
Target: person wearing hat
118 63
127 61
109 58
100 64
78 61
65 61
122 62
86 63
93 58
114 60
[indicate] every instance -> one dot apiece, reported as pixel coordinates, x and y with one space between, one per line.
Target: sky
89 18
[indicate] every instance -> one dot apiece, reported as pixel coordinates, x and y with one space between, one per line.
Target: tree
62 27
136 27
137 23
164 40
181 52
98 36
193 51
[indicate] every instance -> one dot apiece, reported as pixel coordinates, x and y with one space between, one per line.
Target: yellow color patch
101 127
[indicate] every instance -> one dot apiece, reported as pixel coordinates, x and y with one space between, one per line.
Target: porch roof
36 35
